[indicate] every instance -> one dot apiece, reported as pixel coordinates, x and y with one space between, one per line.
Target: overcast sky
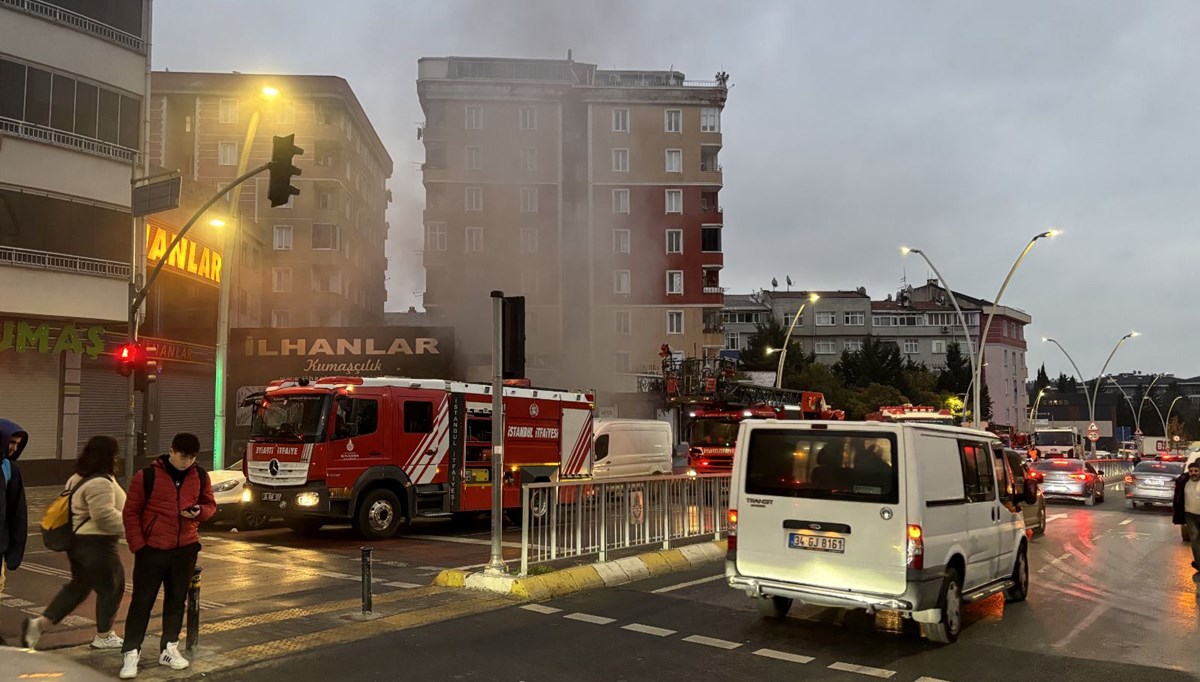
962 128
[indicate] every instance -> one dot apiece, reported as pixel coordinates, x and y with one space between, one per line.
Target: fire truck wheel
379 515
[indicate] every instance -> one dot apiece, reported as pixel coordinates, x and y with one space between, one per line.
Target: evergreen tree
1066 384
1042 381
767 336
956 373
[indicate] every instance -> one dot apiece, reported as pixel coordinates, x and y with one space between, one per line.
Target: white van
914 518
629 448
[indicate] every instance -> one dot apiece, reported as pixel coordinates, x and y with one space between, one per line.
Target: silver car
1070 479
1152 483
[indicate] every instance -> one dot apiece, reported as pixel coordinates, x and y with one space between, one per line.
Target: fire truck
913 414
713 405
376 451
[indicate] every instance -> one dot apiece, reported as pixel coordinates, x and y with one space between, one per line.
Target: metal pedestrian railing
589 518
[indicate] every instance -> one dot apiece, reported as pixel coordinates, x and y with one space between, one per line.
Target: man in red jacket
167 502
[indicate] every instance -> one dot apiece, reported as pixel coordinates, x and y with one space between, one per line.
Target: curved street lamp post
1091 398
812 298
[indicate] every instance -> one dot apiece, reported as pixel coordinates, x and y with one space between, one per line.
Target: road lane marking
1083 624
783 656
648 630
66 575
404 586
589 618
929 679
538 608
690 583
461 541
1055 517
712 641
862 670
1126 522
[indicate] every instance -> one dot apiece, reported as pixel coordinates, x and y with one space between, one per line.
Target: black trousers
95 565
170 569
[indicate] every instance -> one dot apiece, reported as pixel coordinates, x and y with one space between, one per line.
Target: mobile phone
193 508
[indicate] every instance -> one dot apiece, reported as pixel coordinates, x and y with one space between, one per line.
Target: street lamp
1145 397
1091 398
812 298
1033 412
230 248
1048 234
217 223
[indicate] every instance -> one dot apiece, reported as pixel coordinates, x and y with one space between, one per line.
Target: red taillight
1129 479
914 547
1081 477
1036 475
731 536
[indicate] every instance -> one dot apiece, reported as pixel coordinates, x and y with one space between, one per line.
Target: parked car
1034 512
1152 483
1070 479
875 516
227 486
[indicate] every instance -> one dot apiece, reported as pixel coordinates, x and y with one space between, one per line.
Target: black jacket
14 514
1177 507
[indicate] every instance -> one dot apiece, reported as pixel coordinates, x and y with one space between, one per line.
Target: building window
854 318
620 158
435 237
733 341
621 362
326 237
228 109
674 321
529 240
710 239
435 154
674 201
531 283
674 160
529 200
283 237
474 199
939 347
287 112
621 282
674 241
674 281
825 347
281 318
787 320
674 121
620 200
620 120
710 120
529 159
853 345
227 153
826 319
528 118
911 346
325 200
61 102
621 322
474 117
281 280
474 241
474 158
620 241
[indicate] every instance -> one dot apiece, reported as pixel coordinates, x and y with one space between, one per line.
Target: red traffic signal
131 357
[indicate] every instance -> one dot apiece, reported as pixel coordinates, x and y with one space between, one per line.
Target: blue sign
1124 433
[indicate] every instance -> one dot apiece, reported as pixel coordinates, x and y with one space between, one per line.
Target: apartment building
320 258
72 89
593 193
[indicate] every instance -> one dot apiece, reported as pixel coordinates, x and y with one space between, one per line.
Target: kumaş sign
189 257
41 337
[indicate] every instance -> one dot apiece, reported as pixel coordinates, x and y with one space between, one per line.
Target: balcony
44 260
63 17
59 138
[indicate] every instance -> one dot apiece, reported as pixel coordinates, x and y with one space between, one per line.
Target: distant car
1070 479
1152 483
227 486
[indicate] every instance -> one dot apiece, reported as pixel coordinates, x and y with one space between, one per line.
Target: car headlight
246 496
226 486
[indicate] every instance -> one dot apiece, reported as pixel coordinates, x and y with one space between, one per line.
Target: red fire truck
376 451
913 414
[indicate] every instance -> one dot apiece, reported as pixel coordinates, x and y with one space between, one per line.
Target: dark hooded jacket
14 515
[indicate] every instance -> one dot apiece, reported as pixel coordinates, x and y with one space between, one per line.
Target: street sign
1138 433
1175 438
1093 432
155 197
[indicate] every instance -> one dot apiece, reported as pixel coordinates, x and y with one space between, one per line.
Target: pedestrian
167 502
14 513
96 504
1187 510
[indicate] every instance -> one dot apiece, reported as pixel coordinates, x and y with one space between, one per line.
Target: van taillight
731 536
914 548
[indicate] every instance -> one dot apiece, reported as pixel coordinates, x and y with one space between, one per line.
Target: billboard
259 356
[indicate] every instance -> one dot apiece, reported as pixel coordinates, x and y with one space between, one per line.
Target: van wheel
774 607
252 520
378 515
1041 527
1020 578
946 630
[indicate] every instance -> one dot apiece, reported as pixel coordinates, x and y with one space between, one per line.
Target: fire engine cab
376 451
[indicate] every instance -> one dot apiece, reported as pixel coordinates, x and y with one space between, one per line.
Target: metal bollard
366 581
193 610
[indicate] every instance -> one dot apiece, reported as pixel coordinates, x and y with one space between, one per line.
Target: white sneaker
171 656
129 668
32 633
109 641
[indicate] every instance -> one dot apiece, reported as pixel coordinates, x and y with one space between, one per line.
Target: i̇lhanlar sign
189 257
22 336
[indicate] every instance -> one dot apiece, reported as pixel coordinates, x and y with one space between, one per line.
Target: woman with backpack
97 501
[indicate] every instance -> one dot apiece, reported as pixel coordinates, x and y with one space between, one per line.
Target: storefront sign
188 257
43 337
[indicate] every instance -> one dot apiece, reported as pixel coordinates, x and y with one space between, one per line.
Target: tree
1066 384
876 363
767 336
1042 381
956 373
870 398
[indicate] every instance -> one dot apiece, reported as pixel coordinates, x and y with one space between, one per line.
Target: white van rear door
823 506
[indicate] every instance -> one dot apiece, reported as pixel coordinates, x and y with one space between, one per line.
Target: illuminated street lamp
217 223
1033 412
812 298
1091 398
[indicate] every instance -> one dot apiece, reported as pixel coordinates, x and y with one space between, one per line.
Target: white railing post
603 530
525 521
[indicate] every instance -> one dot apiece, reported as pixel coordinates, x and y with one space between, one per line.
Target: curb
589 577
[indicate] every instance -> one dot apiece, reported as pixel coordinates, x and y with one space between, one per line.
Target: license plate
817 543
272 497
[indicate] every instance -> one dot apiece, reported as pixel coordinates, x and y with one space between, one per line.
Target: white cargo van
629 448
914 518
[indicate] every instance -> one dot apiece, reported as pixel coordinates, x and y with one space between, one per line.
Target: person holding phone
167 502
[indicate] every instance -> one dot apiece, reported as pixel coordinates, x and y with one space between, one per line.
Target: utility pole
496 565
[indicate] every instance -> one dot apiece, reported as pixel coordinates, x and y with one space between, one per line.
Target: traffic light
280 190
131 358
513 362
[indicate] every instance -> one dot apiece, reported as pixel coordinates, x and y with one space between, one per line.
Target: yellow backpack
57 528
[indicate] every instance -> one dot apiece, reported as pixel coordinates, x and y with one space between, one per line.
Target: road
1112 597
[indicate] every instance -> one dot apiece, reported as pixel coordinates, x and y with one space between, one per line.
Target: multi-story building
73 79
741 317
322 255
593 193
